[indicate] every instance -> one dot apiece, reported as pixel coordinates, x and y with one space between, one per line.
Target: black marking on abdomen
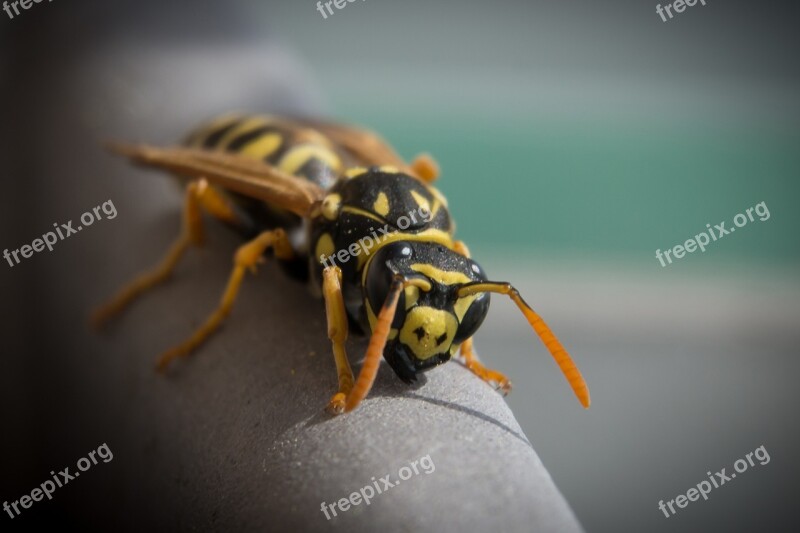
252 135
213 138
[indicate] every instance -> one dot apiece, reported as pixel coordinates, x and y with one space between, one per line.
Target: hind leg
199 196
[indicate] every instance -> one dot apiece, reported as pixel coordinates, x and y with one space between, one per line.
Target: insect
337 207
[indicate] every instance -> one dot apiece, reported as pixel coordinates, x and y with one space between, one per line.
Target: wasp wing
367 147
249 177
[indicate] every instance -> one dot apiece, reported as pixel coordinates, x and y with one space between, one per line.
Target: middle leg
246 258
199 196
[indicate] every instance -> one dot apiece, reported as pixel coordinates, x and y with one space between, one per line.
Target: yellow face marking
245 126
300 155
462 305
428 331
412 295
262 147
381 205
331 206
324 246
445 277
389 169
354 172
420 283
422 202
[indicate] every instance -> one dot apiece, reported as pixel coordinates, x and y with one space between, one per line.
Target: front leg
486 374
337 333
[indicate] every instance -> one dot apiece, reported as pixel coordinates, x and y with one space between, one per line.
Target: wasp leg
426 168
199 195
337 333
486 374
246 258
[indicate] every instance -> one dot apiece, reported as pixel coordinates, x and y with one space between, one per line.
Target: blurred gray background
575 139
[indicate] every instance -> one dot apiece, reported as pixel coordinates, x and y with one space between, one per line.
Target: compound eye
472 317
477 273
471 310
379 279
381 274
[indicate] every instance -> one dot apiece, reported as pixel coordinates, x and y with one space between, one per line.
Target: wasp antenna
376 345
553 345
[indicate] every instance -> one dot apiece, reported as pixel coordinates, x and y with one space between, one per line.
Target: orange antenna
376 345
563 360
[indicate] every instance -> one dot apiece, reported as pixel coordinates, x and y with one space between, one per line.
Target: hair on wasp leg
307 189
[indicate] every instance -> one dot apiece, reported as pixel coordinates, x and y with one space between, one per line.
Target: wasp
338 208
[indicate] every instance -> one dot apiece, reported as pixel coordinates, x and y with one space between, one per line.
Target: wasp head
430 320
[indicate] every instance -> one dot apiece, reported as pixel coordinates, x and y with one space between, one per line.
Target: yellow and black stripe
287 145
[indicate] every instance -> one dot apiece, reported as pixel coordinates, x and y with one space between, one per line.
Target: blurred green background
583 128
